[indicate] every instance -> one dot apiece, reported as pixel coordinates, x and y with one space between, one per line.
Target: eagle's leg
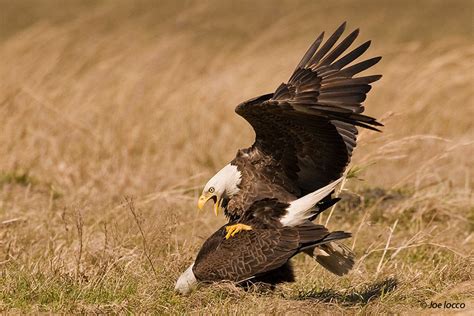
234 229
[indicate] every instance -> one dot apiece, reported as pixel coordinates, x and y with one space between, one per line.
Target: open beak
206 197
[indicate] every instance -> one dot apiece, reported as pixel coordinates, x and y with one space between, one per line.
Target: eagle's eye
211 190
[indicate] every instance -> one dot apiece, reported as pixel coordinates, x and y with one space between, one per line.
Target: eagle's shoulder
243 107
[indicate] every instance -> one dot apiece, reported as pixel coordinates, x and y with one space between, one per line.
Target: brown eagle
279 231
305 134
305 130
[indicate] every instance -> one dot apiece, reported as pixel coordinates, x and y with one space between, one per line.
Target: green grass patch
19 177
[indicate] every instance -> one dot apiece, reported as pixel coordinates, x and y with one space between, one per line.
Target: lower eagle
279 231
305 133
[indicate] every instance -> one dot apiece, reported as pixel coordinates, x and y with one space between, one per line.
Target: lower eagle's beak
206 197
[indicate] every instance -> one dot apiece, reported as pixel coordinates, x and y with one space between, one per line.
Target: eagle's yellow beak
206 197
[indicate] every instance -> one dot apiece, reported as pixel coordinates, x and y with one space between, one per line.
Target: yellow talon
234 229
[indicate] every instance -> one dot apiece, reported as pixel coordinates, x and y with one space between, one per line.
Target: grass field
113 115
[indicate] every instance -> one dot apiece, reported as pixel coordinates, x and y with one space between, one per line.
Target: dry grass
102 100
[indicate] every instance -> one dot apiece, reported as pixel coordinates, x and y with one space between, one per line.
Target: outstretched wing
308 126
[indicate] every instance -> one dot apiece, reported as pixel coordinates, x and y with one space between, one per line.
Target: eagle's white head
186 281
223 185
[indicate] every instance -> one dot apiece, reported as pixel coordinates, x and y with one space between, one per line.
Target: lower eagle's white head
186 281
223 185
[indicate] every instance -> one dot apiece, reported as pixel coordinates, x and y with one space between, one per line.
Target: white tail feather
300 210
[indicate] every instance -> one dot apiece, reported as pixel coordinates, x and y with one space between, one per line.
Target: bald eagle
270 192
279 231
305 131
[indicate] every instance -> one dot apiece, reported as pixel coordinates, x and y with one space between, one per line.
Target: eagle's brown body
305 130
265 248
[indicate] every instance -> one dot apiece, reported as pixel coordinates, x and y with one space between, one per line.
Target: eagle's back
262 178
256 252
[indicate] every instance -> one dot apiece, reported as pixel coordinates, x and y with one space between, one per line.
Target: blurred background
105 99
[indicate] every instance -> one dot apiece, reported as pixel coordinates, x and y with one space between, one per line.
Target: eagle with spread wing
270 192
305 131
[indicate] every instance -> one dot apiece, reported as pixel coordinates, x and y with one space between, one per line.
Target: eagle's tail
301 210
334 256
323 205
327 250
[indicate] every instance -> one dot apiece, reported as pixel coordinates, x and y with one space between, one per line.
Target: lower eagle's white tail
301 209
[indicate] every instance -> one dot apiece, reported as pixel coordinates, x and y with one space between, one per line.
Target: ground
113 115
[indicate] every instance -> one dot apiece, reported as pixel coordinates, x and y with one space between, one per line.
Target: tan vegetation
113 114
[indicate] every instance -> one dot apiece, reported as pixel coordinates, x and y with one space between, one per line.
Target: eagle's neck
227 182
231 178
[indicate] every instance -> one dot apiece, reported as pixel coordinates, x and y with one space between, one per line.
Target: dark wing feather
245 255
253 253
308 126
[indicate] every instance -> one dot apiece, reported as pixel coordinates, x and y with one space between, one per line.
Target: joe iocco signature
443 305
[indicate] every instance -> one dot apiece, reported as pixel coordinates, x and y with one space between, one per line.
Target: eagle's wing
308 126
252 253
